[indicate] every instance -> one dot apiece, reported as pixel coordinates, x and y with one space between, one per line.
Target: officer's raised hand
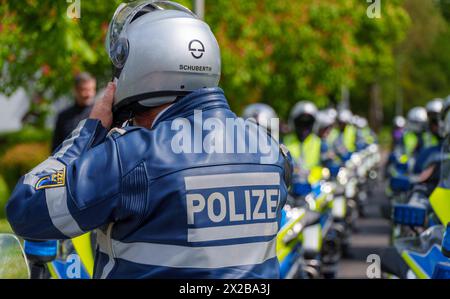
102 109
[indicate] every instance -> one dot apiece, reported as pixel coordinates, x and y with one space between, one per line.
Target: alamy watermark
74 9
229 136
374 269
73 266
374 9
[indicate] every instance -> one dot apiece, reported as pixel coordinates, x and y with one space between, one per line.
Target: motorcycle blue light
334 170
446 242
400 184
441 271
301 189
42 249
409 215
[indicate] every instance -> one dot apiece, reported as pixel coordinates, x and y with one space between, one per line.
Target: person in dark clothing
67 120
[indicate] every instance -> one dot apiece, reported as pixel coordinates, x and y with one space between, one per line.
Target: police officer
398 130
305 146
324 125
364 135
345 144
413 137
431 136
431 161
265 116
162 205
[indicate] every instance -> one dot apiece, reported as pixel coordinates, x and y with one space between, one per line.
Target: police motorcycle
421 247
343 209
425 256
402 159
313 189
17 262
68 259
370 157
423 252
13 264
352 159
290 239
322 239
294 219
420 187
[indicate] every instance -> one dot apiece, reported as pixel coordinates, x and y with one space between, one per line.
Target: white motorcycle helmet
323 121
160 51
264 115
446 118
417 119
362 122
435 106
399 122
345 116
303 108
332 113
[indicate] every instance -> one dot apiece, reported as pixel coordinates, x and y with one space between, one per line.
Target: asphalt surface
371 235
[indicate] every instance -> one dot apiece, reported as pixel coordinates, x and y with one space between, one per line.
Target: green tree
278 52
424 61
281 52
376 64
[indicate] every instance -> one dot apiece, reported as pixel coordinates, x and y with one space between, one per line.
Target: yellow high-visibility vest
350 138
307 152
429 140
410 142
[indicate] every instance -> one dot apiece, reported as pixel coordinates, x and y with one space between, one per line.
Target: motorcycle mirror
13 264
446 242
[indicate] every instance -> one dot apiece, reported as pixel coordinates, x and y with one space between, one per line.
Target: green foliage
278 52
4 194
45 49
4 226
20 159
20 152
27 135
423 56
281 52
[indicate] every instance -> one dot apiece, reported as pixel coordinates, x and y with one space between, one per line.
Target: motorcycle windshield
13 264
422 243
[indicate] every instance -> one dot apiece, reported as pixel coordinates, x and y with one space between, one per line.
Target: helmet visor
125 14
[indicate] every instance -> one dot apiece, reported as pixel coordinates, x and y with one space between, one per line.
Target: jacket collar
201 99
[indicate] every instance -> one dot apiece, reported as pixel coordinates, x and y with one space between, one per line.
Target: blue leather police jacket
162 206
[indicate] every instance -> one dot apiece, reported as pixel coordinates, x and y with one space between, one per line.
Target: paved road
371 236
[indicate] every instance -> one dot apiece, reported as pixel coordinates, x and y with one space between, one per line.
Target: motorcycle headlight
342 177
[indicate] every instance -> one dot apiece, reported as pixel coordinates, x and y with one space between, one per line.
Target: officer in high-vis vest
324 127
171 191
416 126
304 145
265 116
398 130
345 144
431 135
439 199
364 134
333 133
